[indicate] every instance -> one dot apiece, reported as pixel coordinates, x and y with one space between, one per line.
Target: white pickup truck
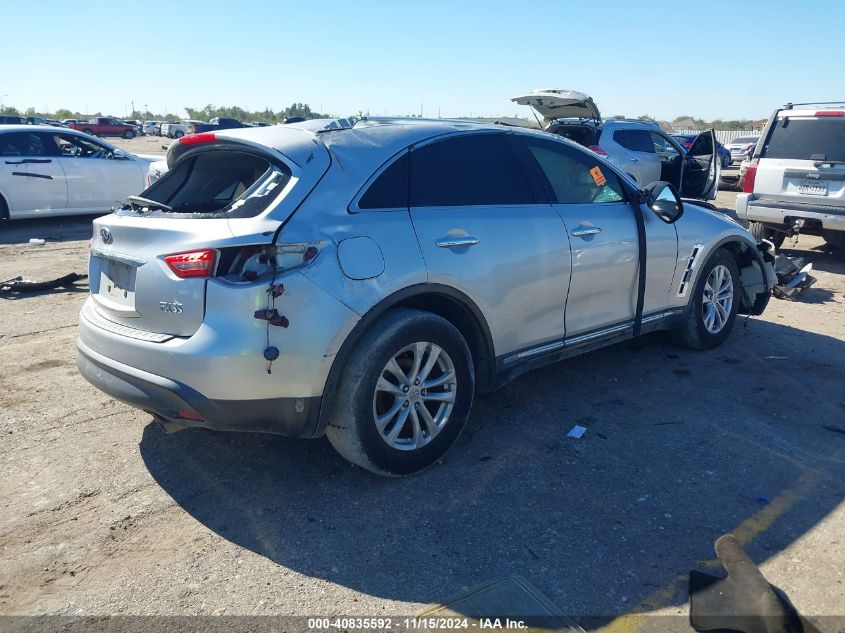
177 130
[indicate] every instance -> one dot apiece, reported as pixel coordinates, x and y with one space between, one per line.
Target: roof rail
790 106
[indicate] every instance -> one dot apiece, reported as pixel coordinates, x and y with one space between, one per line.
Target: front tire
405 394
128 134
179 134
713 305
726 162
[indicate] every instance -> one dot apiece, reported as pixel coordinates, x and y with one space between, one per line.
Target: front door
484 230
701 168
96 179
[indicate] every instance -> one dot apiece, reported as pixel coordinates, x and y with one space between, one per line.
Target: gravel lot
102 513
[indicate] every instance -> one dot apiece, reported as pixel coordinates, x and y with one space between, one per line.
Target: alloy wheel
718 299
414 396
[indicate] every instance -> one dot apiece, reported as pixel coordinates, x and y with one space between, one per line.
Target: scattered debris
37 241
576 431
19 285
793 277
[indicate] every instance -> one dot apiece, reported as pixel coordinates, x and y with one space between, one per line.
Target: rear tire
179 134
88 130
389 423
713 305
4 210
762 232
128 134
726 162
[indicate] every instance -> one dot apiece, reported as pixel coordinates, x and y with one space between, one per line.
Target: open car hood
561 104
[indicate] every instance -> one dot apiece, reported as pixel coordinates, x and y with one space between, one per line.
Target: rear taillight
687 144
750 176
830 113
198 139
597 149
257 261
193 263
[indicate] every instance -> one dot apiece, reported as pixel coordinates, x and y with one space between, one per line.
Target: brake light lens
597 149
687 144
198 139
750 176
192 263
830 113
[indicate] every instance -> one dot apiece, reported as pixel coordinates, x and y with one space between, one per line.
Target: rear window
745 139
220 182
821 138
634 140
390 189
468 170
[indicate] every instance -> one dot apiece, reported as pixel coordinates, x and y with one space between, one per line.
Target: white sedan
46 171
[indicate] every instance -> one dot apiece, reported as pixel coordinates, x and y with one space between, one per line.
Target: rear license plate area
117 283
812 187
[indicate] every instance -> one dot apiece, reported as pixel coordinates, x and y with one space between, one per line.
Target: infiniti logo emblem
105 234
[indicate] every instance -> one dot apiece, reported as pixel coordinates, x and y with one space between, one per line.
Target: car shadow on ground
681 447
60 229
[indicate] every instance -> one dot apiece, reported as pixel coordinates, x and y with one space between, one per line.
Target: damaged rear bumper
175 405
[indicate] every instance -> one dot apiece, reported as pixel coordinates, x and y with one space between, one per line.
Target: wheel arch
752 271
5 213
444 301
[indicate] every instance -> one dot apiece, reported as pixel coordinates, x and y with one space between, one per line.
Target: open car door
700 176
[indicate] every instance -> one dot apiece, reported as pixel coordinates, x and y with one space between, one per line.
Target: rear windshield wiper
138 201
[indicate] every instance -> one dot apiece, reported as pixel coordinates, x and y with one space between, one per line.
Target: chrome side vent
692 260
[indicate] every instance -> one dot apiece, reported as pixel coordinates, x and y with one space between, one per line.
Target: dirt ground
101 513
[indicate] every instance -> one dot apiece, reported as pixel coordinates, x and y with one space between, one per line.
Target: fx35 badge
170 306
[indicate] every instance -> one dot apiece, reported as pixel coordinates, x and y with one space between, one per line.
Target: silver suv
364 279
795 180
641 149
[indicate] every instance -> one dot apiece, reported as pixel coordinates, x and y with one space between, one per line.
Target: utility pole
421 109
133 108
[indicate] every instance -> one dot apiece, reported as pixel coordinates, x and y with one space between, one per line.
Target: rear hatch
802 160
151 260
554 104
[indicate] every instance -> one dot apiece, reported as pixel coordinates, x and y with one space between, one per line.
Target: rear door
31 178
701 170
803 159
485 231
634 154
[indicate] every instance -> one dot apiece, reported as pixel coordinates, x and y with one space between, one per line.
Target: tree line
207 113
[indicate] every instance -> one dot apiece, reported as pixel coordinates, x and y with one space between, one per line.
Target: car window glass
662 146
820 138
634 140
468 170
576 178
77 147
26 144
390 189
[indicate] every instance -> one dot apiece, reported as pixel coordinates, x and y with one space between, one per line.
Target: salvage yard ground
102 513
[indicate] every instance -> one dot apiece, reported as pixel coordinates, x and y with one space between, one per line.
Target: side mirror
118 154
662 198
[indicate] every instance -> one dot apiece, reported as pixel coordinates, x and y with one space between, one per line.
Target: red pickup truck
106 126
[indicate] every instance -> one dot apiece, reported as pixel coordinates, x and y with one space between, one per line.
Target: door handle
585 231
451 242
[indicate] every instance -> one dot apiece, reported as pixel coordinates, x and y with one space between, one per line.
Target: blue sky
460 58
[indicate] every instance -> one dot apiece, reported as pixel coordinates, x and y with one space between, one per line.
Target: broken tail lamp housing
258 261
